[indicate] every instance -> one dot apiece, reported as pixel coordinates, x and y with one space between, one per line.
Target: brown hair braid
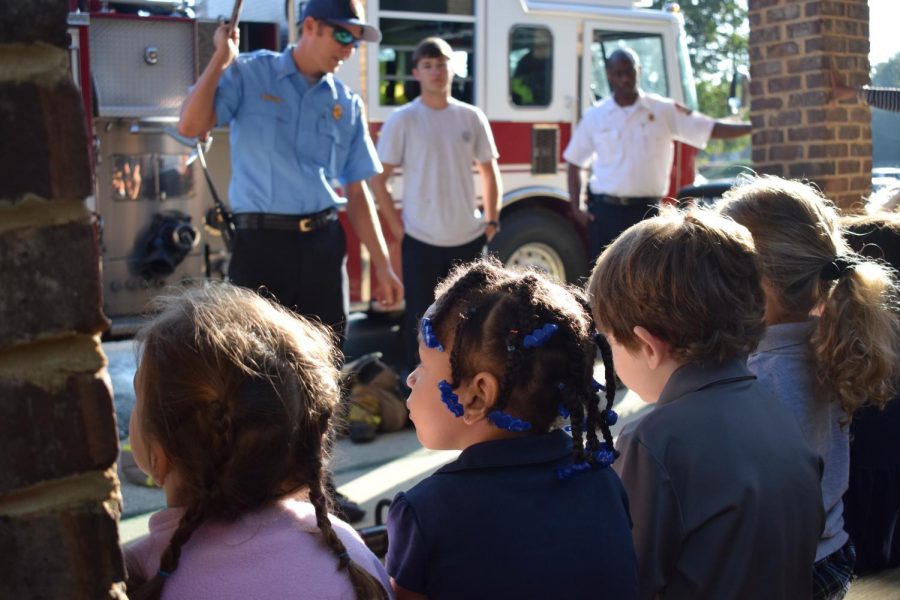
240 394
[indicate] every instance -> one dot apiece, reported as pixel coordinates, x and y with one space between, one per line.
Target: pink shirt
274 552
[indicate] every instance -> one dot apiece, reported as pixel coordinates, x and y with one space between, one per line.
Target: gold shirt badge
337 112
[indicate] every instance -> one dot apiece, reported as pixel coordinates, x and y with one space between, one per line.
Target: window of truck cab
530 66
650 50
405 23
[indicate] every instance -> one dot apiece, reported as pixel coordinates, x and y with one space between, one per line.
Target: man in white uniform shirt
436 139
627 138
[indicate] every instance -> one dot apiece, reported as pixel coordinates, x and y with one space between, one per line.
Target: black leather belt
624 201
301 223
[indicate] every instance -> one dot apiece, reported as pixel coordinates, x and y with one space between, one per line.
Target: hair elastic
450 399
609 417
837 266
163 574
428 335
539 336
502 420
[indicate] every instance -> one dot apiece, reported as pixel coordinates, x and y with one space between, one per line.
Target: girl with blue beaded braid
502 356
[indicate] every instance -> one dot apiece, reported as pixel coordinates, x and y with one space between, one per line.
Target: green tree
887 74
717 32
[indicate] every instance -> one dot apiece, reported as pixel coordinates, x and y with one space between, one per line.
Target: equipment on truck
533 67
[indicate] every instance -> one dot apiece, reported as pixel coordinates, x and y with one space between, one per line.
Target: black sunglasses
343 37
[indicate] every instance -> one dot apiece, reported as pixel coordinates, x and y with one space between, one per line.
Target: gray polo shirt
724 491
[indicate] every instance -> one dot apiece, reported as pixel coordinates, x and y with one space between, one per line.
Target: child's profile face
139 447
436 427
631 368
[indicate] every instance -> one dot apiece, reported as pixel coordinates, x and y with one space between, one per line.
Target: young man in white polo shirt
436 139
627 138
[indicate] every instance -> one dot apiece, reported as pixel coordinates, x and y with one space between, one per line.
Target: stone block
781 50
804 29
803 99
30 21
811 169
43 149
786 152
51 283
767 136
785 84
769 169
70 553
807 63
47 434
825 8
828 151
817 133
788 117
771 33
783 13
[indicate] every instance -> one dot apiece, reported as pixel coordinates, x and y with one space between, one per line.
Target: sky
884 15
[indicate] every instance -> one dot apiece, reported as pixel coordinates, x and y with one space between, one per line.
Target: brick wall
59 496
798 130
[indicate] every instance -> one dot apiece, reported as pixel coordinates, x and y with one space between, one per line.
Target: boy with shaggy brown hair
724 491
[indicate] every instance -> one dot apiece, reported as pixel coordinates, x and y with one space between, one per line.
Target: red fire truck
533 66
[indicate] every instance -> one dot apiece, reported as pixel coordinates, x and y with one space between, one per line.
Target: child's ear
159 463
479 397
654 350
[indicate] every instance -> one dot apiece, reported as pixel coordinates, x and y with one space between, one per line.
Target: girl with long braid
832 341
526 511
234 414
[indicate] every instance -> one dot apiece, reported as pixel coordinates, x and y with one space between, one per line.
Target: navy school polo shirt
290 141
497 523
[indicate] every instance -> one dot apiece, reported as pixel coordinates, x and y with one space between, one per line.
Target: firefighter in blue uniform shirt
295 131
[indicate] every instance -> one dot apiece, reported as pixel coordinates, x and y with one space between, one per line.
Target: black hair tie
838 266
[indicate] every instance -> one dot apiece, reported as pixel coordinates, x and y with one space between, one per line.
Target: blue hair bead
502 420
450 400
428 335
604 458
597 386
539 336
609 416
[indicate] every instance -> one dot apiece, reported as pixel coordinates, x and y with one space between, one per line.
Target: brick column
59 495
798 131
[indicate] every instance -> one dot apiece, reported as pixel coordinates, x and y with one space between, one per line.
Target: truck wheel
542 239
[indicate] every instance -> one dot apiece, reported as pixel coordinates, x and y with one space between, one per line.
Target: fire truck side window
649 48
401 35
450 7
530 66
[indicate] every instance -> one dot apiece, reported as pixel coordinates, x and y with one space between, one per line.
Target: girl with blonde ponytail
832 339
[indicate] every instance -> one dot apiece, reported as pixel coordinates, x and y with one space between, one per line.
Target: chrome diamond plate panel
142 67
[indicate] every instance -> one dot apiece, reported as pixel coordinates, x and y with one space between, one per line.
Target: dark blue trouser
610 220
306 272
423 266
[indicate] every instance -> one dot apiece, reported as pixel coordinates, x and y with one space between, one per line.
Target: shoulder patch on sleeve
683 109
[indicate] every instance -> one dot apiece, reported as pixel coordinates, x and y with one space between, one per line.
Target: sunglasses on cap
343 37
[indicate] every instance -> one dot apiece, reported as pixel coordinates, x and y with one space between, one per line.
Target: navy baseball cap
341 12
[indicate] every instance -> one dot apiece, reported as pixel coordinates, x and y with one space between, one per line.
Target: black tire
541 238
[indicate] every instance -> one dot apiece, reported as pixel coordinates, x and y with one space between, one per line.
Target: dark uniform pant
423 266
306 272
612 219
